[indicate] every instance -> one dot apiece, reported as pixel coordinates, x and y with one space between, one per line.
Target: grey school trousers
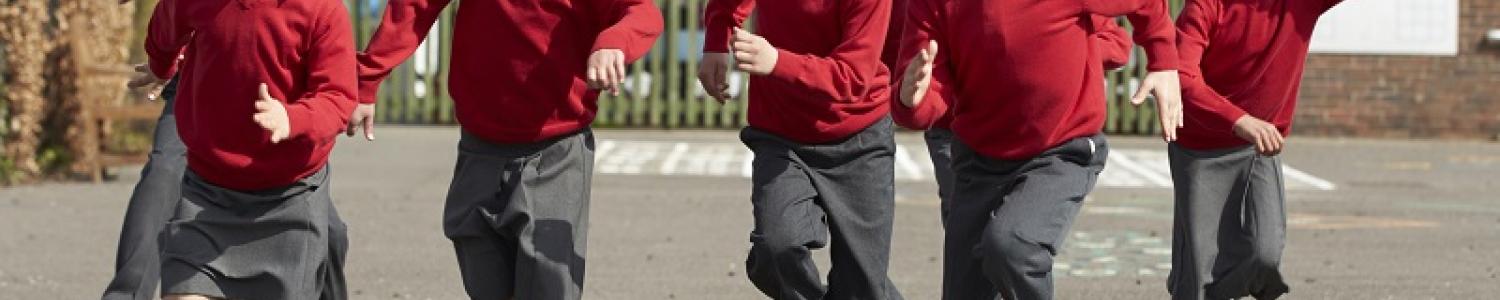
940 149
809 196
1010 217
138 260
517 215
1229 224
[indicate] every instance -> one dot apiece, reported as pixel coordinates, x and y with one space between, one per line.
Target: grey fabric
271 244
939 147
1009 218
137 263
332 272
1230 224
138 258
807 197
517 215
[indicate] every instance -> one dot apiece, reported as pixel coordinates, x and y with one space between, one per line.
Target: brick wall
1409 96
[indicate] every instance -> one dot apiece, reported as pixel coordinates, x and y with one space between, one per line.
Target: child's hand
918 76
1267 138
146 82
606 70
1168 91
363 117
753 53
271 115
713 73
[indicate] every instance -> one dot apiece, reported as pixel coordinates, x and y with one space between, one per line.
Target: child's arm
1153 27
720 18
631 27
916 108
1209 109
405 25
1154 32
322 112
845 74
166 36
1114 46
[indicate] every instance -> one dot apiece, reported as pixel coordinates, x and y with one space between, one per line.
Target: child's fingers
743 46
262 106
369 125
1140 94
931 51
265 92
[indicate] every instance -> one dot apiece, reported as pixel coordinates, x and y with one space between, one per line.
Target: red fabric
1110 40
1023 76
304 52
893 38
1113 43
829 82
518 72
1241 57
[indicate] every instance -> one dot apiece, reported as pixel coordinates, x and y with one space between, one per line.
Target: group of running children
1009 93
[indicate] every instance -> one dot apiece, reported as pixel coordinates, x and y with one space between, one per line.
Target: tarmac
1369 219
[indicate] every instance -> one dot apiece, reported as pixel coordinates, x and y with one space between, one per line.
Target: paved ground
1370 220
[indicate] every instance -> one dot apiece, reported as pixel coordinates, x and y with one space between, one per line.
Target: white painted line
1142 171
906 164
719 160
745 169
1314 181
669 165
604 147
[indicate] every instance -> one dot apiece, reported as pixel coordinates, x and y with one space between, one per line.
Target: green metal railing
662 91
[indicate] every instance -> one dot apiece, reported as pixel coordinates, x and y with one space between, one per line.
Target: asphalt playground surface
1369 219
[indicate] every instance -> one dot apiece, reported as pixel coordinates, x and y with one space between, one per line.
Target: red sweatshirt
518 66
828 82
302 49
1023 76
1109 39
1241 57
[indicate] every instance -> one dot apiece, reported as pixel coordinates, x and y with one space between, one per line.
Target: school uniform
138 259
823 172
1027 125
1239 58
274 235
1114 47
517 208
137 262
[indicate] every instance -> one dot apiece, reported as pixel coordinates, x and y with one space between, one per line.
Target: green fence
662 90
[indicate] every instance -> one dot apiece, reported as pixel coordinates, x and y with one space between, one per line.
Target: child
524 83
1109 39
1028 109
823 173
138 261
1241 67
267 87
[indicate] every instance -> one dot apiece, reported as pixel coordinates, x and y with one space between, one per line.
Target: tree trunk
22 31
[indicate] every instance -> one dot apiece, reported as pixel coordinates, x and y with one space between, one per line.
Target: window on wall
1390 27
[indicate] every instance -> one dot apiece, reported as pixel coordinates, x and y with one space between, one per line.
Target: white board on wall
1393 27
